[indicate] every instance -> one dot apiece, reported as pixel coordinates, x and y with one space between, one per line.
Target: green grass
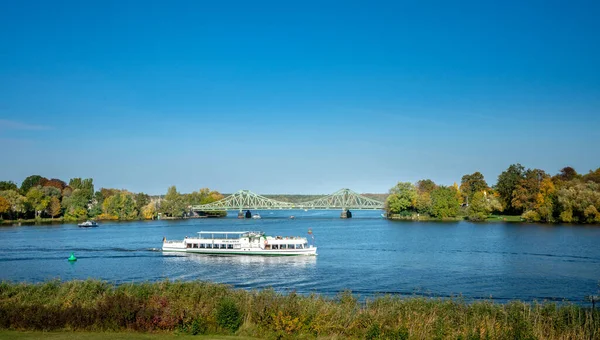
27 335
504 218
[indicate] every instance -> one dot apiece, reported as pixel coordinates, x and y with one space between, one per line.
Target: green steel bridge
344 199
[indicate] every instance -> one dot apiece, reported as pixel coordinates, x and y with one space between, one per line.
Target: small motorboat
88 224
256 216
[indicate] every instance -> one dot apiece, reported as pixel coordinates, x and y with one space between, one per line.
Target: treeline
39 197
210 308
533 194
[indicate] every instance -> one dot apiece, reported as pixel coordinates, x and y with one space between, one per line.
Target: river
366 254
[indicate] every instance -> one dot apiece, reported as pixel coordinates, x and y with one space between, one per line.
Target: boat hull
243 252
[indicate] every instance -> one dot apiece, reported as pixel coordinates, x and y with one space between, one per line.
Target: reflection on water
234 261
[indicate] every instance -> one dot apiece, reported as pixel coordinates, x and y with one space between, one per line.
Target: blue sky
296 97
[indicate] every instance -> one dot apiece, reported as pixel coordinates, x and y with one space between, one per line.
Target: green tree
444 202
507 182
479 208
402 198
37 200
473 183
85 185
30 182
173 204
141 200
76 205
8 185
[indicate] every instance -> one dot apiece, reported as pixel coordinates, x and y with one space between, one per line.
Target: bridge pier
346 214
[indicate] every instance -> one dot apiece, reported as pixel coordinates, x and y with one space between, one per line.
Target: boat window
202 245
275 246
189 245
209 246
230 246
298 246
223 246
305 245
195 245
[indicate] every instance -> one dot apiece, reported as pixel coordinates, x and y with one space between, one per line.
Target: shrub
228 315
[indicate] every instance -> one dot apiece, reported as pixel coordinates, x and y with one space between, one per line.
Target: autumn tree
54 207
470 184
527 189
149 211
592 176
55 183
4 206
507 182
16 201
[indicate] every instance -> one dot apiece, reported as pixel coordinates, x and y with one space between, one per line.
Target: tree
444 202
425 185
16 201
31 182
526 191
470 184
173 204
55 183
149 211
573 199
567 174
507 182
85 185
478 209
8 185
37 200
76 205
4 205
141 200
54 207
402 198
592 176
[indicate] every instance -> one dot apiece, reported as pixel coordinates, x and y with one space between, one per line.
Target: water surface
366 254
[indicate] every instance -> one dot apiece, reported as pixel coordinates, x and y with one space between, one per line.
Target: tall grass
201 307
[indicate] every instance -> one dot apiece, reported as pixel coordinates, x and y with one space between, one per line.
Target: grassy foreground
207 308
35 335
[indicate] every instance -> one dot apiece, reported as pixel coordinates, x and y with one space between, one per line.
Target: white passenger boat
241 243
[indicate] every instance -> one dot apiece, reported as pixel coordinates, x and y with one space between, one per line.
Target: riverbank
209 308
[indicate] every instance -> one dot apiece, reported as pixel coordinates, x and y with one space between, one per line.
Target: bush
228 315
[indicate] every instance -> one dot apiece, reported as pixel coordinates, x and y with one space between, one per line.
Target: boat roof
223 232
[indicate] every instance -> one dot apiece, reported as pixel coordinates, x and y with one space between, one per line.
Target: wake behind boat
241 243
88 224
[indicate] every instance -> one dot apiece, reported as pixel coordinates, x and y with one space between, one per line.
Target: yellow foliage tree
149 211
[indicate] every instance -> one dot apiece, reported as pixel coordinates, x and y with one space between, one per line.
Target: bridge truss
344 199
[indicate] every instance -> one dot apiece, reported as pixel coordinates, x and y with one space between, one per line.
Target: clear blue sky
296 97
